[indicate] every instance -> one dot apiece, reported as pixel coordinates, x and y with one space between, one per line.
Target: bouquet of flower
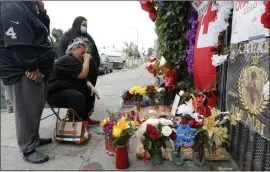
126 96
151 91
123 131
185 136
189 116
165 96
214 130
108 123
155 134
137 93
211 127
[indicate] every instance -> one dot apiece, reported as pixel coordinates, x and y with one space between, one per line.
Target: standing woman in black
79 30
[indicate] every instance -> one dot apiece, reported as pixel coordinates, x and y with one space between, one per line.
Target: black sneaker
35 157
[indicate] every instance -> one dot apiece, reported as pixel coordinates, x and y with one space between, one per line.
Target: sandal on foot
36 157
44 141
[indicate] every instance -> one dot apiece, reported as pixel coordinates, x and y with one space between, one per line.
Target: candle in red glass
122 161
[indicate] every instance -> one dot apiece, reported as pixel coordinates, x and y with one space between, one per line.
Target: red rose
219 46
173 136
191 122
200 111
154 134
149 128
198 125
214 49
220 36
183 121
151 86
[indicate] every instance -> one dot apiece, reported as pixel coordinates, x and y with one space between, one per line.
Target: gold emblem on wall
250 87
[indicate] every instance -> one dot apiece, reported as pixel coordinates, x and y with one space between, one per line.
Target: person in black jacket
26 61
79 30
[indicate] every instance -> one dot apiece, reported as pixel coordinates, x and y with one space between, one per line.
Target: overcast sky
109 22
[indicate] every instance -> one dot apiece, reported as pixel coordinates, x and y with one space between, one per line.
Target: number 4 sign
10 32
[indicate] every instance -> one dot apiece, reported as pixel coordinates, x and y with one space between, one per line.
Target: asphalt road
91 156
111 85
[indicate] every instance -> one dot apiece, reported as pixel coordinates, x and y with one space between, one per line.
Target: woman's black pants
80 102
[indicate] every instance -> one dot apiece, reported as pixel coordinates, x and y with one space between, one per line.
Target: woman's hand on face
41 5
86 57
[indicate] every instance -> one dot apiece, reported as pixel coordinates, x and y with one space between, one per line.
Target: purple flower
161 2
191 37
108 126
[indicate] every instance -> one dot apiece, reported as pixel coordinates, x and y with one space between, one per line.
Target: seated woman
67 85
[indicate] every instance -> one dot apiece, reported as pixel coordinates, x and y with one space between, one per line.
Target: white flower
184 109
152 121
160 89
164 121
152 113
266 89
196 117
141 129
218 59
166 131
181 93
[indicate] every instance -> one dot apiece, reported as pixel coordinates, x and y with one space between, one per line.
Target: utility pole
137 36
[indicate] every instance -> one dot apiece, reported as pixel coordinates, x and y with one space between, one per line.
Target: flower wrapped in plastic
155 134
107 127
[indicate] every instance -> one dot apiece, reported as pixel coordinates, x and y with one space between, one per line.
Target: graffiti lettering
250 7
241 4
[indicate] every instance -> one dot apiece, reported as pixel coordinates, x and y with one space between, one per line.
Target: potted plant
137 93
122 132
107 127
185 136
212 134
155 134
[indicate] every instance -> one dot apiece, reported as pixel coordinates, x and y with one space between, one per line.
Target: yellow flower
209 124
233 119
220 135
116 132
215 112
138 90
135 123
105 120
156 88
120 126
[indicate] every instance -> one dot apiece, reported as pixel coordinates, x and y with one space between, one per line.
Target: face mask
83 29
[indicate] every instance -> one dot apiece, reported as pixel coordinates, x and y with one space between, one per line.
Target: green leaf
149 145
168 144
199 130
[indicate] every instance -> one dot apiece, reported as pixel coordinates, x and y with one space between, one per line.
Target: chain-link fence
134 62
250 150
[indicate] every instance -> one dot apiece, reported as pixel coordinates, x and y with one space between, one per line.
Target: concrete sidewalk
91 156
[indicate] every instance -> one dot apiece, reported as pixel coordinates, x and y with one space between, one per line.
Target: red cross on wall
208 17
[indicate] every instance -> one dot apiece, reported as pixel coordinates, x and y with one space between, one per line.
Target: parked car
105 66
